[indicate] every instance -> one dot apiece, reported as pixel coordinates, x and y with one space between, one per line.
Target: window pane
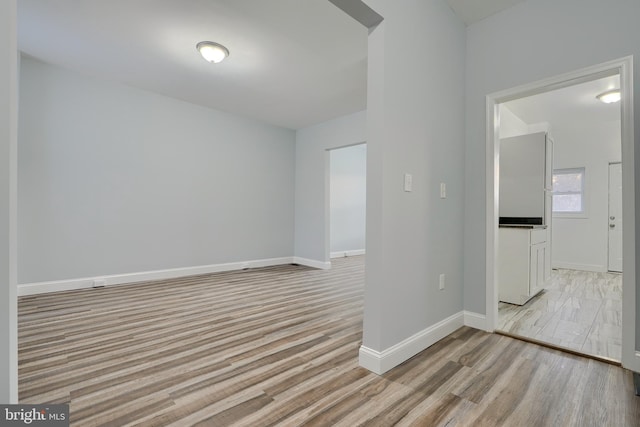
567 202
567 182
568 190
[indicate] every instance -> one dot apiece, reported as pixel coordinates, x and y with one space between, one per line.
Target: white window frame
582 192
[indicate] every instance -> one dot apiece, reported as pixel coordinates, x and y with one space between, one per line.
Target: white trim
370 359
581 267
323 265
630 359
624 67
10 89
475 320
569 215
381 362
122 279
340 254
492 159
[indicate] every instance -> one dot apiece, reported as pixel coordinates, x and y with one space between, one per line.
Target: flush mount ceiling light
609 96
212 52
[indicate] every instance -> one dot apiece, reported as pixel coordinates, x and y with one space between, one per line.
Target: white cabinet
523 180
523 263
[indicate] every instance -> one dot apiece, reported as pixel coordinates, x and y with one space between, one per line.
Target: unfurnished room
319 212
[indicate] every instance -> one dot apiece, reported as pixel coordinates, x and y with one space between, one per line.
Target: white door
615 217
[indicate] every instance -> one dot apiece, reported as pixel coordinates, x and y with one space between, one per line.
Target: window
568 191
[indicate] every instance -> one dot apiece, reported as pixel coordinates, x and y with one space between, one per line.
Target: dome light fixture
610 96
212 52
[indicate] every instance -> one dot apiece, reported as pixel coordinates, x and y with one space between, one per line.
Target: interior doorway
347 200
494 104
572 300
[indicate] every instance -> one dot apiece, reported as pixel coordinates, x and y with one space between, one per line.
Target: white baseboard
475 320
381 362
121 279
341 254
581 267
323 265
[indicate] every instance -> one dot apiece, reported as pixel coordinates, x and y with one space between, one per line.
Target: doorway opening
572 300
570 321
347 200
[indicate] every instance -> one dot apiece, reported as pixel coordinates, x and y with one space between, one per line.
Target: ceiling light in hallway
609 96
212 52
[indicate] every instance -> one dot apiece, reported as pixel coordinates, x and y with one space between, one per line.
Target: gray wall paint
117 180
415 106
348 198
312 180
528 42
8 147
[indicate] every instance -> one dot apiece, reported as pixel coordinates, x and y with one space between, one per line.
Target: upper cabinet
524 176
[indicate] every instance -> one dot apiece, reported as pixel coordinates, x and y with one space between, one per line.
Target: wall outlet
443 190
442 282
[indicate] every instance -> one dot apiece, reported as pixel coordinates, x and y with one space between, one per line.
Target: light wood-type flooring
579 310
279 347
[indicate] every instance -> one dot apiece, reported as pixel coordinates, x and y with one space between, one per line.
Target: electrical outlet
443 190
442 282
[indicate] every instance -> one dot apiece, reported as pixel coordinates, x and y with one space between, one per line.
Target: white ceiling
470 11
293 63
573 104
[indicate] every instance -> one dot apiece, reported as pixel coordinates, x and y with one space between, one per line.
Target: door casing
623 67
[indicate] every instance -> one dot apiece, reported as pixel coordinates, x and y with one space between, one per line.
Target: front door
615 217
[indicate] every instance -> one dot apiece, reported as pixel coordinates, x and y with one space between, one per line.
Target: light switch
408 182
443 190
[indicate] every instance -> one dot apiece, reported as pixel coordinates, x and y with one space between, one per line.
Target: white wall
581 243
510 124
530 41
116 180
348 199
414 112
8 163
312 182
578 242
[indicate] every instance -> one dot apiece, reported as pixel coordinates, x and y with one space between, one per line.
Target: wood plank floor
579 310
279 346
